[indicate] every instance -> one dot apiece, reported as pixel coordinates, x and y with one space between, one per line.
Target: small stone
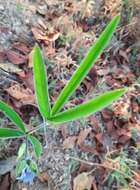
1 8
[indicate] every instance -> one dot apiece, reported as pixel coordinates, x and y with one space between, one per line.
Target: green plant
123 170
54 115
24 161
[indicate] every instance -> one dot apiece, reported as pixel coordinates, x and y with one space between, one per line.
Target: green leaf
13 116
33 166
20 166
41 83
10 133
89 107
21 150
36 145
87 63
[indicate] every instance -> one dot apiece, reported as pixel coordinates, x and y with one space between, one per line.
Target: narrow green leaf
10 133
89 107
13 116
33 166
21 150
20 166
87 63
41 83
36 145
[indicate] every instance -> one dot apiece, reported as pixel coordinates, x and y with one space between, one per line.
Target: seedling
54 115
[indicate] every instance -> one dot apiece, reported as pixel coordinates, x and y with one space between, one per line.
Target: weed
26 168
123 170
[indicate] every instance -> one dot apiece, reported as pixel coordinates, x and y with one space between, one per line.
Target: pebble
1 8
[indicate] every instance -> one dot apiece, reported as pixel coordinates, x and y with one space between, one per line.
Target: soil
67 30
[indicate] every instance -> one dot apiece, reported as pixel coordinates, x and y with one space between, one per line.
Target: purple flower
27 175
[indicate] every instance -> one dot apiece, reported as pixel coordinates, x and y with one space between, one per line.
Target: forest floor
101 152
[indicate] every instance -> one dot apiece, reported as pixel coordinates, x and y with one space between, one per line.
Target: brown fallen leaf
5 183
40 35
94 122
21 47
88 148
53 36
93 76
107 114
94 186
69 142
2 56
64 131
44 177
103 71
24 95
122 108
135 107
21 74
82 136
124 55
109 126
111 81
123 139
82 181
28 79
9 67
42 24
134 125
15 58
137 176
30 60
113 7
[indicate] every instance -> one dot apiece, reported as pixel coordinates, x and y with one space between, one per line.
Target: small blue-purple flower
27 175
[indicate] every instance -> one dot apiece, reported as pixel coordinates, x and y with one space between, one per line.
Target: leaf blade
20 166
89 107
21 150
33 166
13 116
40 82
37 145
10 133
86 65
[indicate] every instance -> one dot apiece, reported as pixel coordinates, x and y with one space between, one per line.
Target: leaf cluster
54 114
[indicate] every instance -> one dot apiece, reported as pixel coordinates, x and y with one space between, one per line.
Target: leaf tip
123 90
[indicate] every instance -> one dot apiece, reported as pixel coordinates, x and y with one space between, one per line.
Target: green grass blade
36 145
41 84
10 133
13 116
86 65
89 107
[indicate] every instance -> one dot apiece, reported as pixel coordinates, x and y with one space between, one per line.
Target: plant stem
45 133
26 152
36 129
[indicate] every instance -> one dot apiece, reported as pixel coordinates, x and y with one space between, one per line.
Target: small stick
107 167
